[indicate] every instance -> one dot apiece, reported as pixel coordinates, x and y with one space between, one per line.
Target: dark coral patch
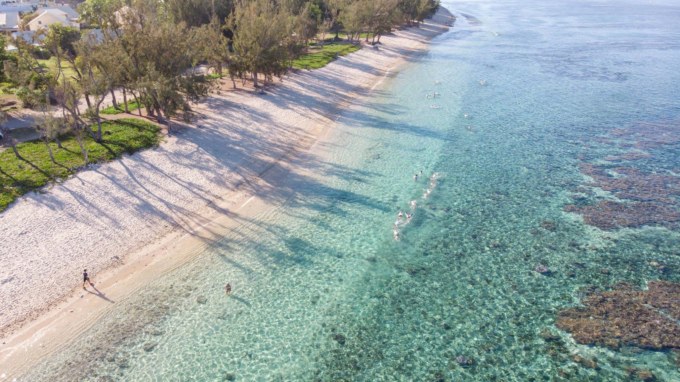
625 316
638 197
610 215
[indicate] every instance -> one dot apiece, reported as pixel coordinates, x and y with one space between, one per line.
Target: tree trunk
79 138
159 115
125 102
87 100
113 99
157 107
139 105
16 152
12 142
99 129
49 150
150 111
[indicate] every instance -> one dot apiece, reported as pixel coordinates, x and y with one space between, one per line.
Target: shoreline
209 195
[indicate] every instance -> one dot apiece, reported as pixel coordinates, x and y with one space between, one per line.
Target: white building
9 21
51 16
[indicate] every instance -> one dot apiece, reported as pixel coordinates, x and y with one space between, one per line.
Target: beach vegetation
148 51
263 39
58 155
120 108
323 55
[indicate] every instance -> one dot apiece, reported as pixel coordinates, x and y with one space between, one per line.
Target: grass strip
319 58
18 177
132 106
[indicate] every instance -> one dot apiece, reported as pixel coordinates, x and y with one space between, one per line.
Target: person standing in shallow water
86 279
227 289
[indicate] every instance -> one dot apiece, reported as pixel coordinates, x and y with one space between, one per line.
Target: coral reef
542 269
639 198
610 215
638 186
465 361
585 362
627 317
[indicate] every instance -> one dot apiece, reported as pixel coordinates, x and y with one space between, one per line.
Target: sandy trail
131 220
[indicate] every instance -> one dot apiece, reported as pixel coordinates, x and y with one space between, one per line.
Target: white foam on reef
404 219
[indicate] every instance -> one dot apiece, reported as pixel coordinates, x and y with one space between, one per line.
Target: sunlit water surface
525 90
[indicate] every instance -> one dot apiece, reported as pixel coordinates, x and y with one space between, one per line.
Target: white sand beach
132 219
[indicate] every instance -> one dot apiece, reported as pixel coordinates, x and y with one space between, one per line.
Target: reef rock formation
610 215
636 197
627 317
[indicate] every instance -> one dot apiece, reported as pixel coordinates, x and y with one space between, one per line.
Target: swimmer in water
408 216
415 177
400 214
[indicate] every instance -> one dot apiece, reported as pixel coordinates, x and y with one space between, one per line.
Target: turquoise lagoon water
529 90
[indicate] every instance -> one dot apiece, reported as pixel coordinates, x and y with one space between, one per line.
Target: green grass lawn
51 65
320 57
214 76
132 105
6 88
18 177
345 36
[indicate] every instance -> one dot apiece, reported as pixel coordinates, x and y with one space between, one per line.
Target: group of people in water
404 218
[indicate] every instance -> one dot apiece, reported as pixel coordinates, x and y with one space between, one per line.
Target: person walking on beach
227 289
86 279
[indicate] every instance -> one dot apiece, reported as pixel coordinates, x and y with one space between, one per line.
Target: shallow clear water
322 291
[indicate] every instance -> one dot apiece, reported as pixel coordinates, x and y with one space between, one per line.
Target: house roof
29 36
9 20
72 14
51 13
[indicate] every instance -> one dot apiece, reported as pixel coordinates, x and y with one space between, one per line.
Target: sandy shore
131 220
